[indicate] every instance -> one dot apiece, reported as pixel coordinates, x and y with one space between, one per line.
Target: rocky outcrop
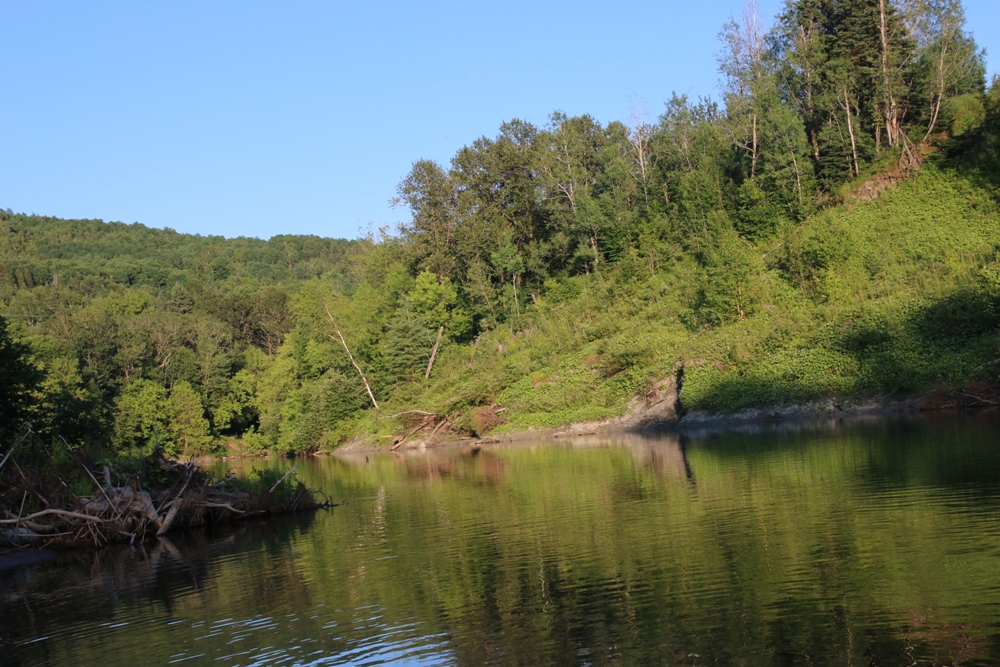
659 407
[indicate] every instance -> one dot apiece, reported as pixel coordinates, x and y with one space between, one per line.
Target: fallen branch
409 412
436 428
271 490
66 513
351 356
4 462
223 482
171 515
101 488
220 505
419 426
189 473
40 528
978 399
434 353
125 514
91 476
178 501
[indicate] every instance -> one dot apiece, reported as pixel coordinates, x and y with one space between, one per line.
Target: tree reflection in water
871 542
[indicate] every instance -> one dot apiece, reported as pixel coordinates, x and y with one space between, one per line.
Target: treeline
135 334
834 88
136 338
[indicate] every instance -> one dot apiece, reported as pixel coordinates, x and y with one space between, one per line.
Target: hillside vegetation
830 230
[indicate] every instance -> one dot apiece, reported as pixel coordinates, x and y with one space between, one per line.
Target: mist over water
870 543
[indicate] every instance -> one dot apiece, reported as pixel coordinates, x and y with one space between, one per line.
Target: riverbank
170 495
661 410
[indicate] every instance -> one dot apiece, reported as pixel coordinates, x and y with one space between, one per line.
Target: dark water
868 544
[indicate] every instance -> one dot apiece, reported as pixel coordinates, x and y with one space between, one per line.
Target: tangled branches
50 514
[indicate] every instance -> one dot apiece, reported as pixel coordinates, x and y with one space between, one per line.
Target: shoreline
695 421
661 411
696 424
182 496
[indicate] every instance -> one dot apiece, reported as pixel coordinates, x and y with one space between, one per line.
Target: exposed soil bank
661 410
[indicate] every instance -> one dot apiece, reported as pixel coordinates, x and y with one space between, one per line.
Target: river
875 542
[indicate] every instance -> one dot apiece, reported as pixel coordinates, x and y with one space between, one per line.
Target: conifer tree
188 426
18 380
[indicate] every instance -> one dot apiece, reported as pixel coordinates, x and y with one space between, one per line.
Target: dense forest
827 229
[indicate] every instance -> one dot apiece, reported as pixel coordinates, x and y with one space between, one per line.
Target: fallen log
74 515
128 513
283 478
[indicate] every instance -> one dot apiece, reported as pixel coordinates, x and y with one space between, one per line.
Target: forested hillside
829 228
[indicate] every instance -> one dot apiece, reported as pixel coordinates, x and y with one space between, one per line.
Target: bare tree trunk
804 47
739 303
850 130
753 157
639 137
351 357
798 177
934 117
892 129
517 307
939 94
434 353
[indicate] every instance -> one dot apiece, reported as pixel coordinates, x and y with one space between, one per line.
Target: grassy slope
887 298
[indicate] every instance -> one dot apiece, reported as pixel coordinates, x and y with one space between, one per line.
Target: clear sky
254 119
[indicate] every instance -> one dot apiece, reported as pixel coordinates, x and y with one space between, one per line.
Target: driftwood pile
129 513
419 420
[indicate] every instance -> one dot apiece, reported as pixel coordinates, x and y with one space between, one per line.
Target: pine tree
188 426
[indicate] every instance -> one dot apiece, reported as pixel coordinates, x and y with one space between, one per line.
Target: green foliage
731 289
143 414
758 215
771 239
188 426
260 482
18 379
964 114
809 254
406 347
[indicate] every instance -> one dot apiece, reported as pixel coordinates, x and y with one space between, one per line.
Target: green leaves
732 288
143 414
18 380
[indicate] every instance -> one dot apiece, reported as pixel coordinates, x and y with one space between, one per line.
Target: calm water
869 544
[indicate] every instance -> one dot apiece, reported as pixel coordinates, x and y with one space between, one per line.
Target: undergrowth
876 300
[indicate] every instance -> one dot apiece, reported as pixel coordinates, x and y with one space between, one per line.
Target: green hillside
885 299
829 230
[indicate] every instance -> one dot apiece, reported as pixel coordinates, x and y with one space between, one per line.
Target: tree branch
351 356
434 352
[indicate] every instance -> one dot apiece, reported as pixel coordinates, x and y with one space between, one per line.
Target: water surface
871 543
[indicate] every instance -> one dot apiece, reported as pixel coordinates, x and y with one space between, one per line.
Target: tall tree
742 64
18 380
763 124
948 61
432 197
570 166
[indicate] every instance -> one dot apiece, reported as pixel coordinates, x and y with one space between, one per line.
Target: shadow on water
871 542
53 596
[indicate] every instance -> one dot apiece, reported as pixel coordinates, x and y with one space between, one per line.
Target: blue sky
254 119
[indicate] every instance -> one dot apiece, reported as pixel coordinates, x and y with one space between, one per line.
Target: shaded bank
661 410
171 496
